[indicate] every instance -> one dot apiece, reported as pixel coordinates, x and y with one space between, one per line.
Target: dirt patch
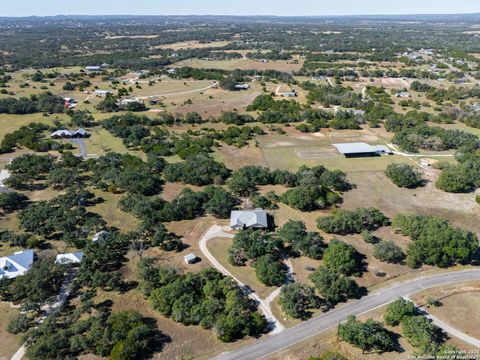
316 154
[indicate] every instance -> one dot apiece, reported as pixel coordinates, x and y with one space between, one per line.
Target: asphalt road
82 147
274 343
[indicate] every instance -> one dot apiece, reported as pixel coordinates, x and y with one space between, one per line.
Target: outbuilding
70 258
361 149
190 258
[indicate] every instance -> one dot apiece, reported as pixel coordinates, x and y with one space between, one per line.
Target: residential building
70 258
16 265
242 219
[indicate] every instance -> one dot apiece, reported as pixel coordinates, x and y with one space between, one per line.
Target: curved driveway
264 305
274 343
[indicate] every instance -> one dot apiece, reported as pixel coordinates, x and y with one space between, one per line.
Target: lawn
9 343
111 213
246 274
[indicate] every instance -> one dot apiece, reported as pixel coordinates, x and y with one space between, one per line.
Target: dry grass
244 64
460 305
9 343
111 212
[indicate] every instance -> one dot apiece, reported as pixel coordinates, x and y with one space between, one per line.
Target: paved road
263 305
274 343
82 146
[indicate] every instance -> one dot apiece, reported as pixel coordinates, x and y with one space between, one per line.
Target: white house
102 92
248 219
4 175
16 265
101 235
403 94
61 134
242 86
93 68
70 258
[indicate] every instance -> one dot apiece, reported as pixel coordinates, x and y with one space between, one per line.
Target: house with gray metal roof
16 265
243 219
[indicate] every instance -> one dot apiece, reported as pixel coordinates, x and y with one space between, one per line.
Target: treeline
45 102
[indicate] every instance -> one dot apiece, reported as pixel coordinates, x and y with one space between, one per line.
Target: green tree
297 299
404 175
422 334
368 336
343 258
399 310
333 286
270 271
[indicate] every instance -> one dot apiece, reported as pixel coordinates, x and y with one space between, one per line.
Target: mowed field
244 64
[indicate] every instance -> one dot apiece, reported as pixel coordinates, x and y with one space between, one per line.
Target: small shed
190 258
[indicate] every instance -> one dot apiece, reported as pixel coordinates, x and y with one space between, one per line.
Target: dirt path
264 305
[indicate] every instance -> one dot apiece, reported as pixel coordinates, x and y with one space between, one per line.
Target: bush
389 252
404 175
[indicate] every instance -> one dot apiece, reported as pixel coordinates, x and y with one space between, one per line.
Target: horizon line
241 15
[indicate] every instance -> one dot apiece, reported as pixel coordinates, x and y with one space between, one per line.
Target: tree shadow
158 338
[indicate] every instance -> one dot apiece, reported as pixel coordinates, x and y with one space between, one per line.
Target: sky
235 7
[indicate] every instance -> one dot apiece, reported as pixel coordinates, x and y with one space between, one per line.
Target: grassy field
244 64
9 343
111 212
455 299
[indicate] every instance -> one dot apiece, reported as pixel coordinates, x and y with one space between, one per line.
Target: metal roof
354 148
253 218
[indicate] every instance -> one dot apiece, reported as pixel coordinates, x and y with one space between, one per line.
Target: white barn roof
16 264
354 148
250 218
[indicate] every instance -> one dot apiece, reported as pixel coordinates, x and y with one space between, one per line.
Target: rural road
274 343
264 305
82 147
